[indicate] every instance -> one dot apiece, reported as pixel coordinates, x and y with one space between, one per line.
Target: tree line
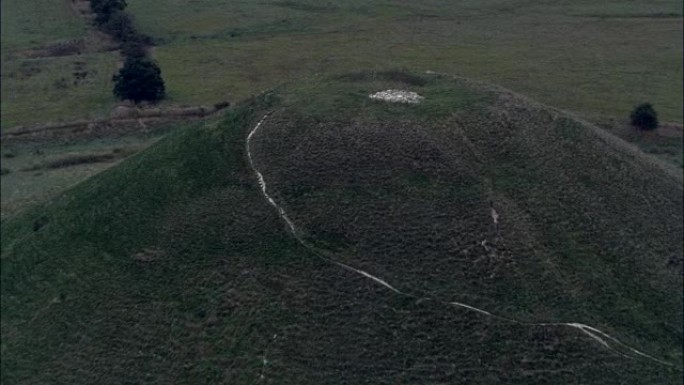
140 78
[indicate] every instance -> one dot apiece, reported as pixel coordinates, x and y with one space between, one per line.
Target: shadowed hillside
499 223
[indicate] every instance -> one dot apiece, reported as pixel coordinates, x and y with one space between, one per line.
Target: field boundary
132 116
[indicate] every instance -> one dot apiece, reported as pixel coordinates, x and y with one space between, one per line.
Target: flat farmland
598 59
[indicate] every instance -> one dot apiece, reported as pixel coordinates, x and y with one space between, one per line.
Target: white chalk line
472 308
290 224
590 331
374 278
262 182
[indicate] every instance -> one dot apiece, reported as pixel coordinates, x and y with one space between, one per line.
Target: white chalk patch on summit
397 96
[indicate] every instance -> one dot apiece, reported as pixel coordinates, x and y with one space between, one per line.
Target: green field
47 87
31 24
173 268
599 59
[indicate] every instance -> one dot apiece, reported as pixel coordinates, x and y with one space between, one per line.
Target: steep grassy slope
173 268
36 169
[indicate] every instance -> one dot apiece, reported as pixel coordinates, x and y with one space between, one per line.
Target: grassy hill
171 267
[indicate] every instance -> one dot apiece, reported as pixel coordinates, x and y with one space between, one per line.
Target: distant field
599 59
31 23
46 87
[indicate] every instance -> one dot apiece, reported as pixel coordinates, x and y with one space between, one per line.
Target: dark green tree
104 9
134 48
644 117
139 79
120 26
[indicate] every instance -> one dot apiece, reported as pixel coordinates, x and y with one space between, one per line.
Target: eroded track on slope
607 341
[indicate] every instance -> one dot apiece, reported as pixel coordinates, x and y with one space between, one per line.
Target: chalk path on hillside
601 337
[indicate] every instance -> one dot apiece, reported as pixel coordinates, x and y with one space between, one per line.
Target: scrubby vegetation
105 9
138 80
644 117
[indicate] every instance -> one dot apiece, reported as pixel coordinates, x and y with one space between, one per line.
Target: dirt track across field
132 120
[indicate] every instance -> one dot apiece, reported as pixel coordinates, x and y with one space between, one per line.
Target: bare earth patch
397 96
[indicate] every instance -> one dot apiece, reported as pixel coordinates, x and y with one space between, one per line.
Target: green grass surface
39 170
34 23
48 89
51 88
172 268
665 142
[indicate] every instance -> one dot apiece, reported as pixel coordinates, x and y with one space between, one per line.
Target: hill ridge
615 141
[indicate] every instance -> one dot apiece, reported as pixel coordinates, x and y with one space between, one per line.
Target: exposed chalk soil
397 96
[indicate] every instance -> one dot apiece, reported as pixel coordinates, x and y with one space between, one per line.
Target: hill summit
314 234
